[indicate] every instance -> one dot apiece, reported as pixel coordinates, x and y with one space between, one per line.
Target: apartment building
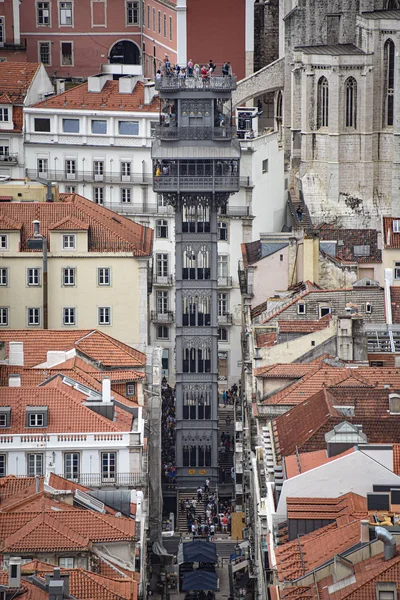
77 267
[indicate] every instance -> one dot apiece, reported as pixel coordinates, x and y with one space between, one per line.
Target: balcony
9 159
194 133
162 317
225 319
117 480
90 177
67 441
226 183
225 282
216 83
163 280
138 208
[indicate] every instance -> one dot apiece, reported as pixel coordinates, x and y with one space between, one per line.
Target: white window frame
162 224
71 469
98 170
396 226
126 195
162 337
221 341
223 265
62 9
104 276
126 170
98 121
265 165
68 241
128 9
33 277
70 64
3 241
222 226
301 308
4 114
108 466
36 420
223 304
4 148
66 562
33 317
4 277
131 389
41 163
98 194
70 168
104 316
44 43
35 460
321 308
162 302
40 6
69 316
162 264
165 26
396 270
4 316
70 189
154 19
67 119
68 277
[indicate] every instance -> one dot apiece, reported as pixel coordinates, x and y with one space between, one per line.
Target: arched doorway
125 52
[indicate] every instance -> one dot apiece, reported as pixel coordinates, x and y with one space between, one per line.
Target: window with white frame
128 127
161 201
265 166
126 195
43 166
36 420
4 114
68 241
162 332
126 168
4 149
69 315
41 124
33 276
66 562
222 265
70 167
67 56
222 304
4 277
162 302
71 465
33 316
301 308
99 126
108 465
223 232
131 389
362 250
98 195
132 13
3 465
397 270
43 13
35 464
98 168
162 265
162 228
3 241
68 276
70 125
2 36
104 276
44 51
104 315
3 420
222 334
70 189
66 13
324 310
3 316
396 226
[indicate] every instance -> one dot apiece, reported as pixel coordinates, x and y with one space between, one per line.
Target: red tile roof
390 238
285 371
27 591
93 344
8 224
266 339
347 505
349 239
12 487
298 326
107 232
108 98
16 79
396 459
395 303
40 502
295 464
69 224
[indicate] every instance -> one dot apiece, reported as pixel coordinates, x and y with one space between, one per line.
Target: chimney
106 389
14 572
97 82
57 584
37 483
55 357
364 535
149 92
14 380
127 84
16 354
60 86
389 548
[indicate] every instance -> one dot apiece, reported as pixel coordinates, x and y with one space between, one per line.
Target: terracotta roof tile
27 591
395 303
298 326
107 232
108 98
289 371
266 339
37 502
16 78
9 224
349 239
390 238
69 224
348 505
93 344
12 487
396 459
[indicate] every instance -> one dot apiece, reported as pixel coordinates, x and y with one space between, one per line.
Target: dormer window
36 416
3 242
4 114
68 242
396 226
131 389
5 413
364 250
301 309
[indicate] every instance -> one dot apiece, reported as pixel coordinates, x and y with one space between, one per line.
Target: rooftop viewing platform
208 77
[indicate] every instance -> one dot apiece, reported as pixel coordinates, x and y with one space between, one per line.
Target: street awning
198 551
200 580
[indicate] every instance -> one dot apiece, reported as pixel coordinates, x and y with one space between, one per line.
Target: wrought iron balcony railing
103 480
217 83
90 176
194 133
163 280
227 183
225 282
161 317
225 319
11 159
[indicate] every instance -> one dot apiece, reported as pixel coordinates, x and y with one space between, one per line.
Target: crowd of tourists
205 515
168 432
229 397
191 69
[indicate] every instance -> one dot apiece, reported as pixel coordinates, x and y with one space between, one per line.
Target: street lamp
38 236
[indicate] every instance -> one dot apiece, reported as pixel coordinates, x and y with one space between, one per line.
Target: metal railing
225 183
194 133
225 282
236 211
136 208
225 319
161 317
90 176
163 280
99 480
173 83
11 159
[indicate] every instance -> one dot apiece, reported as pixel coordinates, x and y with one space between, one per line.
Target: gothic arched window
388 108
351 102
322 102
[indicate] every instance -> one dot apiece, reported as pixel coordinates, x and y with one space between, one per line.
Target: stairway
226 424
293 203
184 494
